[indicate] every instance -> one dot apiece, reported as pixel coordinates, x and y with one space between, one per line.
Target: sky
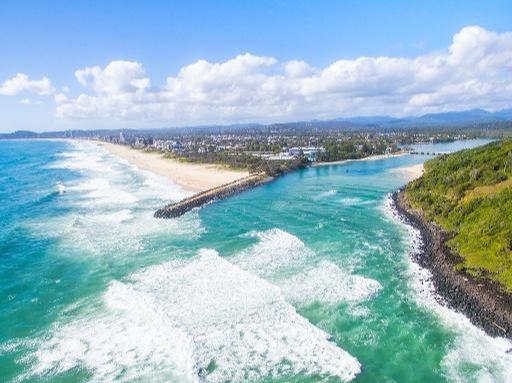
143 64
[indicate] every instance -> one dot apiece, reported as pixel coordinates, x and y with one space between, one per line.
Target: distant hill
431 120
447 118
20 134
469 193
474 115
370 120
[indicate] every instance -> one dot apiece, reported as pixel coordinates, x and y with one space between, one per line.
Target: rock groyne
177 209
481 300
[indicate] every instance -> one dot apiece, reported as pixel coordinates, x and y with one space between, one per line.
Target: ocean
304 279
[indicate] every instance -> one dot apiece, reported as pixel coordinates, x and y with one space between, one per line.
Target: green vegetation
241 160
469 193
336 150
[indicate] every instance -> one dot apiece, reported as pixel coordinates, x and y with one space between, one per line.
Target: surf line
177 209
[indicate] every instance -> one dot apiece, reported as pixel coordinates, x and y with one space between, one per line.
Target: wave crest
204 318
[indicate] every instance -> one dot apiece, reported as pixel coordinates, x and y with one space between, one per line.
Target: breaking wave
111 204
203 319
286 261
276 250
327 283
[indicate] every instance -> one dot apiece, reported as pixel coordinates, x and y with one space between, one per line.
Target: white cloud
117 77
474 71
21 83
297 68
60 98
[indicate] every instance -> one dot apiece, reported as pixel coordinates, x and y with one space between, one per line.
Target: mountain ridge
465 117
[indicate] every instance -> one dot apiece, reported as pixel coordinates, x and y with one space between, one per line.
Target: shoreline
412 172
190 176
208 182
482 301
212 182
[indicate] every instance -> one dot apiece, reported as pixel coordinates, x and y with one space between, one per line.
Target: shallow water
304 279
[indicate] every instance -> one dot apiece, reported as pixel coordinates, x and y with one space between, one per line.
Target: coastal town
260 149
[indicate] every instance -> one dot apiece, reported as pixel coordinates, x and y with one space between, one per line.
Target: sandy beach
412 172
193 177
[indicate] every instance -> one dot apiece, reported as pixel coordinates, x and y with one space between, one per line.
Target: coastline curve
482 301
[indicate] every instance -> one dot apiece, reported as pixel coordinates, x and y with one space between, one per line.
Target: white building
168 145
310 152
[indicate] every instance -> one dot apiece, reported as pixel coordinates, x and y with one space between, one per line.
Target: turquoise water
305 279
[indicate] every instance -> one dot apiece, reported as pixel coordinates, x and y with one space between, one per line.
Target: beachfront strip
217 164
210 182
256 148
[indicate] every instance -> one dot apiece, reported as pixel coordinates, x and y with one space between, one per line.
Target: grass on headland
469 193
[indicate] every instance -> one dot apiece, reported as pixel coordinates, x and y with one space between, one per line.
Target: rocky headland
483 301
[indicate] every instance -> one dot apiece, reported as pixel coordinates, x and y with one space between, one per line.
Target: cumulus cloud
297 68
474 71
117 77
21 83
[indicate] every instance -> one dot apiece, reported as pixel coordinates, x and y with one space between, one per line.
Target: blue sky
55 39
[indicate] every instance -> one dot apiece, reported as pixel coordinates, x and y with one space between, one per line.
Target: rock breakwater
177 209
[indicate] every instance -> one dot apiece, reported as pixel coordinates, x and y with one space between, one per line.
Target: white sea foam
84 156
101 191
286 261
129 342
275 251
112 232
60 188
107 175
115 217
155 185
111 204
353 201
327 283
325 194
203 319
474 356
